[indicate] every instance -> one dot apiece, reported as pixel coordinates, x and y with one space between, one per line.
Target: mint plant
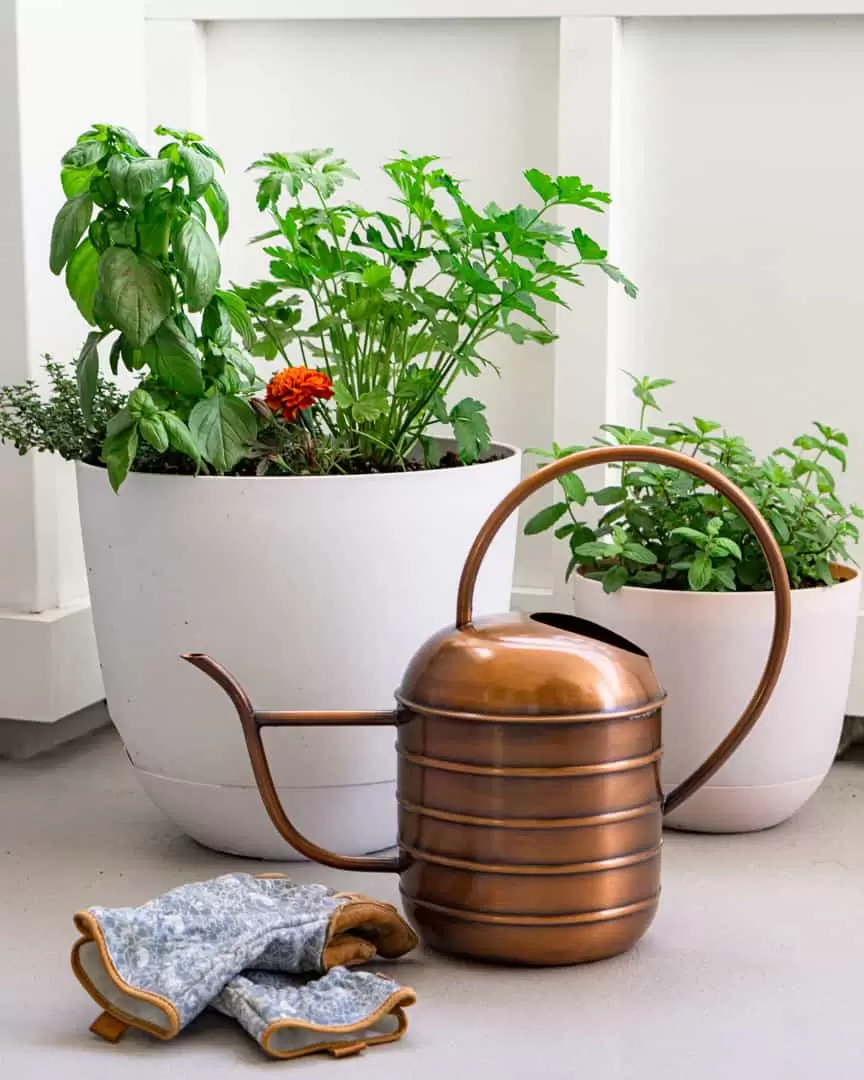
662 528
395 306
132 238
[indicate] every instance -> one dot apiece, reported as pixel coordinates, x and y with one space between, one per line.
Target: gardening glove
156 967
341 1013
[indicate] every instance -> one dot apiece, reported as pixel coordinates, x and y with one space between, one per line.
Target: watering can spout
253 720
226 680
283 718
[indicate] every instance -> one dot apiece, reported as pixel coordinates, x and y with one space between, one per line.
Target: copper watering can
530 806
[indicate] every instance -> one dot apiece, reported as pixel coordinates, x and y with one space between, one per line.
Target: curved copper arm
252 722
604 455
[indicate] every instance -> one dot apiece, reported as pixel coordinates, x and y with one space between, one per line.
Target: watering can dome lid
530 665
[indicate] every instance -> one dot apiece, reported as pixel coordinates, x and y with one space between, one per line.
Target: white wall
731 146
739 191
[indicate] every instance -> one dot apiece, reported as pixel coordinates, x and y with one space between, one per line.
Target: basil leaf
144 175
153 430
180 437
198 168
69 226
75 181
87 372
135 293
223 427
239 316
118 453
82 278
217 203
175 361
198 262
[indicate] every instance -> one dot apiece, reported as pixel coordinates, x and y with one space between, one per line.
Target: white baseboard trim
49 666
20 740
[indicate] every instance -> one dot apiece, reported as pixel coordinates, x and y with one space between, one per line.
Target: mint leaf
614 578
544 519
700 573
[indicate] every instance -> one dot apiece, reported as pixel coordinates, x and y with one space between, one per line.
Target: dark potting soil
178 465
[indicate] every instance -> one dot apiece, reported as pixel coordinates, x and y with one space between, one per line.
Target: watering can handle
655 455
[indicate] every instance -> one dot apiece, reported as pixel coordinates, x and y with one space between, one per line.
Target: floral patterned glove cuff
341 1013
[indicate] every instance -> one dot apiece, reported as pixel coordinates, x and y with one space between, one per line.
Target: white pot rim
504 451
697 597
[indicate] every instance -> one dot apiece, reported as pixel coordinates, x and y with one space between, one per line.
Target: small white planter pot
315 592
708 650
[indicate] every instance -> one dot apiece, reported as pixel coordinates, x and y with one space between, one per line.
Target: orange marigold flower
296 388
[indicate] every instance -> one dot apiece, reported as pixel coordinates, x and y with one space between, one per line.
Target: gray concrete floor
753 968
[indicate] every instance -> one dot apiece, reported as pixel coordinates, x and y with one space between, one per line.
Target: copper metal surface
546 795
523 841
515 664
252 723
531 742
477 887
529 792
535 940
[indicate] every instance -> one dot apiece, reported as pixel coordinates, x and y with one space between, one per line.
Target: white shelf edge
278 10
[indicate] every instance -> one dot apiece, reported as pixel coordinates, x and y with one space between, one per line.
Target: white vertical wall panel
482 94
59 96
589 65
739 175
19 571
175 75
740 216
62 67
50 98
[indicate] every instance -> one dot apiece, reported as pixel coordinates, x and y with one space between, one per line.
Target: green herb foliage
140 263
395 306
662 528
56 424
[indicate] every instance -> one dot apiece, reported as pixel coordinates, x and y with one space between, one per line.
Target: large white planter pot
315 592
708 650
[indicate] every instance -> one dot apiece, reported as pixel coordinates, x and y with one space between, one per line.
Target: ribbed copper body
530 843
531 833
